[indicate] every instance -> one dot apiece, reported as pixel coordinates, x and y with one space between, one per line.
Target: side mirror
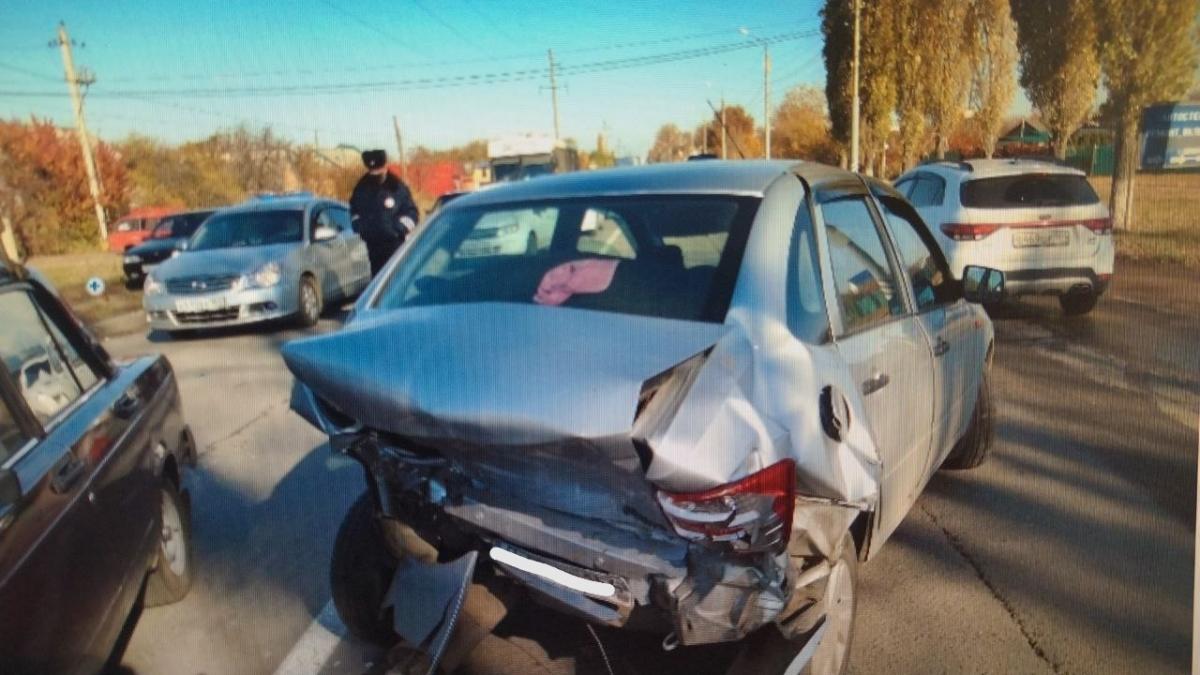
982 285
182 246
10 489
324 233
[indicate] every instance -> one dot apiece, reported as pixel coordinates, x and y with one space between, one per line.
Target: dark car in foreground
166 240
692 409
93 515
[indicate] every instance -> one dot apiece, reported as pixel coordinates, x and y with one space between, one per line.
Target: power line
391 67
441 22
374 28
439 82
30 73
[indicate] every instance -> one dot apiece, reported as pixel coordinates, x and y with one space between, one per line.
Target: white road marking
316 645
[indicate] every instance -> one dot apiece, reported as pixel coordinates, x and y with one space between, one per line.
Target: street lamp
766 86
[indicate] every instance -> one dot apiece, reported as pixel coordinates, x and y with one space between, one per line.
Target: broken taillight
750 515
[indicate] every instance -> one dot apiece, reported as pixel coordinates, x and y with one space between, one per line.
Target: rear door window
1027 191
862 272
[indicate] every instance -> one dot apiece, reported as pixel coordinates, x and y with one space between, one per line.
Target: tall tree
671 144
912 84
800 127
878 53
1148 53
45 194
1056 43
837 24
949 74
994 57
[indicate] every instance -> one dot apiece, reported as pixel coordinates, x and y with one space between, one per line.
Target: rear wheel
972 449
769 653
1078 304
309 301
360 573
172 575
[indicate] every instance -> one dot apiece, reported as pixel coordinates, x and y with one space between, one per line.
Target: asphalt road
1070 551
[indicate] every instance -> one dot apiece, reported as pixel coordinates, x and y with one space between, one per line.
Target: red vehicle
134 227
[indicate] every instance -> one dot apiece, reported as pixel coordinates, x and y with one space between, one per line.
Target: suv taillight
749 516
1099 225
968 231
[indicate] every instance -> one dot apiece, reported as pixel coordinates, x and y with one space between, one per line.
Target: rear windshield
1028 190
249 228
672 257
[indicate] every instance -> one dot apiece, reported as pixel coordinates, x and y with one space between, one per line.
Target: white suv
1040 223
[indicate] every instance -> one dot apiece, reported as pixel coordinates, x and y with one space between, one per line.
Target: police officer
382 210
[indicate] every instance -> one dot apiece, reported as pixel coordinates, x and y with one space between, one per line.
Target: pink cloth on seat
591 275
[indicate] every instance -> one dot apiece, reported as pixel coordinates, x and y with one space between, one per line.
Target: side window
323 218
806 303
905 186
928 190
341 219
12 438
923 268
48 372
605 233
862 274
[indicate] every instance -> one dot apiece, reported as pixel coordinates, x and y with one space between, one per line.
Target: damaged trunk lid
533 402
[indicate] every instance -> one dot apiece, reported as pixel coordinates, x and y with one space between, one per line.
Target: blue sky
307 53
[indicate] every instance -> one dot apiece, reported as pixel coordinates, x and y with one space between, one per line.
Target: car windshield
1028 190
184 225
672 257
249 228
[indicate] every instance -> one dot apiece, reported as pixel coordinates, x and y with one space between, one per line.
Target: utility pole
767 96
85 144
855 104
553 92
400 149
724 153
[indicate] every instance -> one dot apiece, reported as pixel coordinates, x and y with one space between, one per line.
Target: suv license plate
1025 238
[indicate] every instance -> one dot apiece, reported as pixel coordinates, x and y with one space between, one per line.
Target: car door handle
126 406
68 474
941 347
874 384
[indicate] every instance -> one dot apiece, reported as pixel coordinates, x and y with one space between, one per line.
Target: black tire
360 574
972 449
767 652
308 310
1078 304
171 578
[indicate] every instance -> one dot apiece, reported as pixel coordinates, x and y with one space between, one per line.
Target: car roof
282 203
991 168
744 177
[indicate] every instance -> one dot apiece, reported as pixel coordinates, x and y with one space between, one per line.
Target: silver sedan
692 408
270 258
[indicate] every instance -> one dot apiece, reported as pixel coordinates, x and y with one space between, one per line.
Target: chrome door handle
874 384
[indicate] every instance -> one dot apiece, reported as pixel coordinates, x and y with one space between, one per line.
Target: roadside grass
1166 218
70 272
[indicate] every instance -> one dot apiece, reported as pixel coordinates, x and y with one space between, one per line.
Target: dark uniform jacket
377 208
